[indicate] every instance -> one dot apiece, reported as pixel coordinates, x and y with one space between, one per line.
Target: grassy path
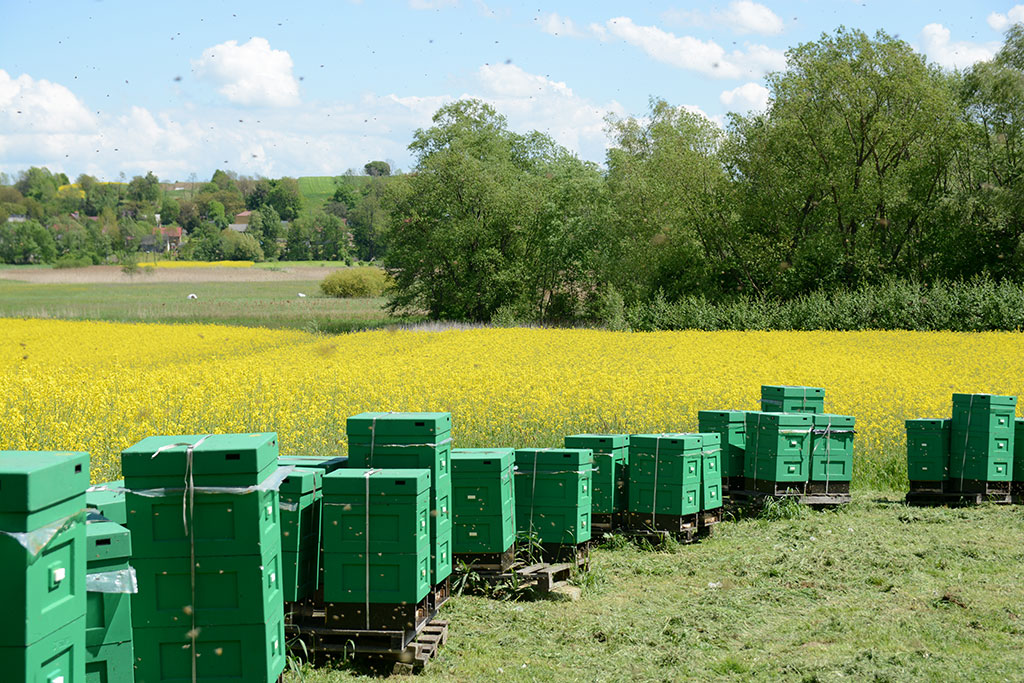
876 591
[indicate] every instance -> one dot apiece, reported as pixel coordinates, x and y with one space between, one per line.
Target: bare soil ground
113 275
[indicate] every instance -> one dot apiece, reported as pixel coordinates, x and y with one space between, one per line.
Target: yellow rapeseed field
197 264
102 386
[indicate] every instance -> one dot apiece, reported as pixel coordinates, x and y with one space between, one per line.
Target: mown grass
273 305
875 591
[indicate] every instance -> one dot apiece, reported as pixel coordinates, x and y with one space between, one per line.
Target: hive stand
541 576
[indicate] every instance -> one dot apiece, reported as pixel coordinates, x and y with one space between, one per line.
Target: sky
111 87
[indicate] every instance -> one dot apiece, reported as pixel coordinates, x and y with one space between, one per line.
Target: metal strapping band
533 489
187 518
967 437
366 535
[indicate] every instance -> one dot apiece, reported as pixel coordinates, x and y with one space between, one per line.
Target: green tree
377 168
237 246
299 242
26 242
144 188
170 210
286 198
839 179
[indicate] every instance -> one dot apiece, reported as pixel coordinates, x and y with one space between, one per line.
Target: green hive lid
34 480
398 424
598 442
668 442
796 420
107 541
108 492
787 391
984 400
327 463
217 454
553 457
389 483
823 420
302 480
482 459
722 415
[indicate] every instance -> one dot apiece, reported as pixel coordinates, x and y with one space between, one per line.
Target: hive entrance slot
232 456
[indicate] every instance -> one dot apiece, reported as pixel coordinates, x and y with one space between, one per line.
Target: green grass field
250 304
316 190
876 591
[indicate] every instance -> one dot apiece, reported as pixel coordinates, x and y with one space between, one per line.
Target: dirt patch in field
113 275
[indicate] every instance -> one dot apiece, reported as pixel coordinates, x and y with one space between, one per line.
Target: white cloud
748 97
706 57
251 74
936 43
27 104
1001 22
534 102
559 26
742 16
432 4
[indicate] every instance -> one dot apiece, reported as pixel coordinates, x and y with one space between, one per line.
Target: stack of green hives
42 565
794 446
107 499
412 441
731 426
778 453
981 445
1017 486
831 454
109 584
672 478
301 524
377 548
611 462
301 504
792 399
207 554
483 505
928 454
554 496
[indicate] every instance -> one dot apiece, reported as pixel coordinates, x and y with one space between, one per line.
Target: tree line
55 220
869 165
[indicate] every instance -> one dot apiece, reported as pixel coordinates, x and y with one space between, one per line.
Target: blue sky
315 88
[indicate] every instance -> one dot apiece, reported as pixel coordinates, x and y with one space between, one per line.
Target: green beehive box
780 468
38 488
325 463
108 615
42 592
249 653
217 460
300 571
985 413
671 469
441 560
228 590
391 457
58 656
671 499
778 446
711 493
981 466
792 399
108 500
430 425
222 524
391 514
998 445
928 449
611 454
731 426
561 525
1018 450
553 459
832 448
394 578
665 444
110 663
301 496
552 489
483 500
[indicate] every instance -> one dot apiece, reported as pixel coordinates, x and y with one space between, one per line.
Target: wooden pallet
500 562
658 529
815 500
328 644
542 576
956 498
828 488
707 520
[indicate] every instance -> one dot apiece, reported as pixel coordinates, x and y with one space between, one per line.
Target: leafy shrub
354 283
73 261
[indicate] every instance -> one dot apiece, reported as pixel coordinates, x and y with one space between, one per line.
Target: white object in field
192 296
301 295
